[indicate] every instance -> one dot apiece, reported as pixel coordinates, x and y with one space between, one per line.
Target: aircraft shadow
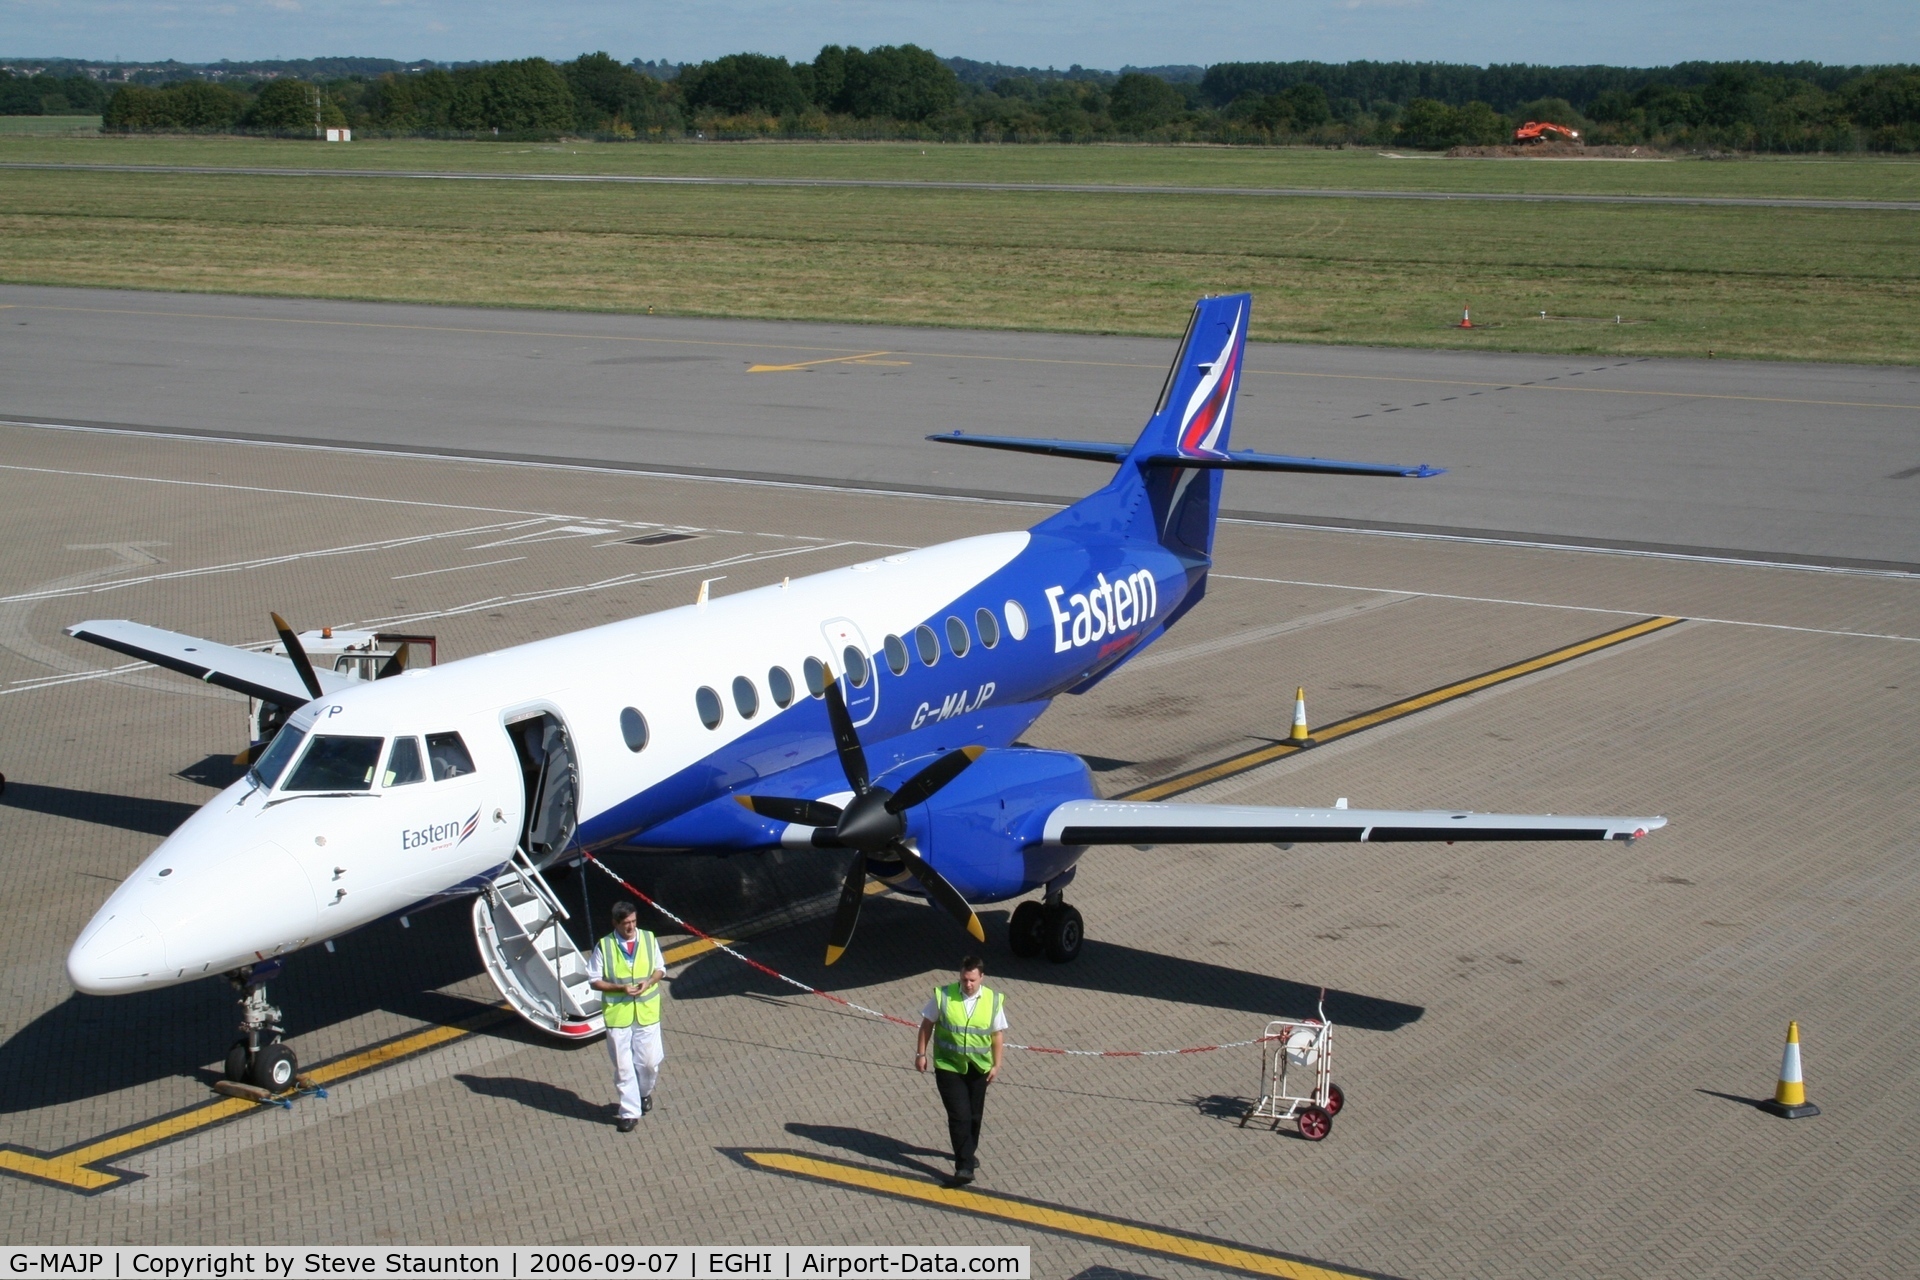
864 1142
129 813
899 938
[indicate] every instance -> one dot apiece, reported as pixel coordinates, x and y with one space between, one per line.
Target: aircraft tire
274 1068
1064 931
1026 932
237 1061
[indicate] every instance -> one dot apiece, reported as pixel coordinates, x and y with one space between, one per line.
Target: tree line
903 91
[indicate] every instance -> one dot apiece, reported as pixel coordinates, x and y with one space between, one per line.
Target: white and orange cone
1790 1095
1466 318
1300 736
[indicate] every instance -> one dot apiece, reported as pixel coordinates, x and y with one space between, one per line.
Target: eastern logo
1107 608
440 835
1206 414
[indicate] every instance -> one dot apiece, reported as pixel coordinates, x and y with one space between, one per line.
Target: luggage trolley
1298 1046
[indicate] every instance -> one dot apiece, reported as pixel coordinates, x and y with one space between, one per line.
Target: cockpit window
273 761
449 756
336 762
403 764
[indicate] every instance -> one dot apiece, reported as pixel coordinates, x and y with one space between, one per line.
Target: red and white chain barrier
751 963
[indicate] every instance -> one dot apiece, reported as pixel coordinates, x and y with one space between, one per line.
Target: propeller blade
940 891
852 893
395 663
299 656
852 759
920 787
807 813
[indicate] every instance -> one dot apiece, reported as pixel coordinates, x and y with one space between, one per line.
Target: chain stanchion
845 1003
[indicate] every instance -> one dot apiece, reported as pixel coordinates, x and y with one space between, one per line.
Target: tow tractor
357 655
1544 131
1304 1048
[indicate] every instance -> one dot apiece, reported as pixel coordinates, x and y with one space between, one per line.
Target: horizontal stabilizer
260 675
1248 460
1090 822
1090 450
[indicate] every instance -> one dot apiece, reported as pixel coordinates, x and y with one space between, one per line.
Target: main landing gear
257 1057
1050 926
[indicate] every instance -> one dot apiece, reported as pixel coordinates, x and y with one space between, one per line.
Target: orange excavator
1535 131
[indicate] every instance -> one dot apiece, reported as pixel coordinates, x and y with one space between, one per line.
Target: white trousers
637 1055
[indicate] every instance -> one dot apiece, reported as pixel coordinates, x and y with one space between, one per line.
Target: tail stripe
1205 416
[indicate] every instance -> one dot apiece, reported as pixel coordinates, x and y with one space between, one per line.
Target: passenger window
896 655
928 645
780 685
816 674
337 763
707 702
745 697
273 761
403 764
633 728
987 625
448 756
1016 620
857 670
957 637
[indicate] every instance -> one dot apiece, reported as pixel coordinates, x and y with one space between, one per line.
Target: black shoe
646 1105
962 1175
627 1124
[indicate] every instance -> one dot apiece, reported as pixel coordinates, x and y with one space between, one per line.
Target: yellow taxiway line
86 1168
1049 1217
1195 778
808 364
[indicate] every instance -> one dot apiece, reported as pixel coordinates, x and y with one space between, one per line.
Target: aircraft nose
120 953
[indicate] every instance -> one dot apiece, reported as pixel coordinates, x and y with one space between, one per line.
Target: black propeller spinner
873 822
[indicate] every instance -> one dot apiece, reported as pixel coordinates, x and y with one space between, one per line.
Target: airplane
871 714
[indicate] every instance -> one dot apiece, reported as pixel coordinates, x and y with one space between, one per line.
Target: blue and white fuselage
383 795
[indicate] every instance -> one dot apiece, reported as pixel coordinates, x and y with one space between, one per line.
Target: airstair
519 924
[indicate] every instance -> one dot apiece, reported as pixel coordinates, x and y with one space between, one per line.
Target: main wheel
274 1068
1026 932
1315 1124
237 1061
1336 1099
1063 931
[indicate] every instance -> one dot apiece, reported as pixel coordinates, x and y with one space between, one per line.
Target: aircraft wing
1090 822
260 675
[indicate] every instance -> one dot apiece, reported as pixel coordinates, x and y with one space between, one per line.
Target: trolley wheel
1026 932
1064 931
274 1068
1315 1124
1336 1099
237 1061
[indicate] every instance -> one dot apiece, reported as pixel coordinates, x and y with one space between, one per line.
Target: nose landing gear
257 1057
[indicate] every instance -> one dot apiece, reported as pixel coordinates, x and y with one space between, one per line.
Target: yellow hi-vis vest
617 1007
960 1040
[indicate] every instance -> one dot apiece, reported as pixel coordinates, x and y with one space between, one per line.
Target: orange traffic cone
1790 1095
1466 318
1300 736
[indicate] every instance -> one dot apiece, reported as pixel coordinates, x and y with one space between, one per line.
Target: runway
910 184
1551 1052
1807 464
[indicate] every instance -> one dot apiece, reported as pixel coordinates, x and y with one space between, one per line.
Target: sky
1095 33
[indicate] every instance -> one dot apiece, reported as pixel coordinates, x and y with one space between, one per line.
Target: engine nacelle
983 830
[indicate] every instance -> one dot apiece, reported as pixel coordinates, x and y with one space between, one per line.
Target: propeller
299 656
873 822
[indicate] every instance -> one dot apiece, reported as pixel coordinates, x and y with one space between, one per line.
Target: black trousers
964 1095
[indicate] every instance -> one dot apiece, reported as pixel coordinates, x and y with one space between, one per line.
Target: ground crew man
626 968
967 1024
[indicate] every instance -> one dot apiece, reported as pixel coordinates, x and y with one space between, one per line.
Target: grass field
1759 282
1864 178
47 126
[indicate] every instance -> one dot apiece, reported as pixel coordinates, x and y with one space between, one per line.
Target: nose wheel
257 1057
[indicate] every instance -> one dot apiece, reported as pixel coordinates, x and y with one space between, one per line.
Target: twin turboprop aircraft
867 713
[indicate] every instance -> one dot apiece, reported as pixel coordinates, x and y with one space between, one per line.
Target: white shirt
594 966
932 1012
